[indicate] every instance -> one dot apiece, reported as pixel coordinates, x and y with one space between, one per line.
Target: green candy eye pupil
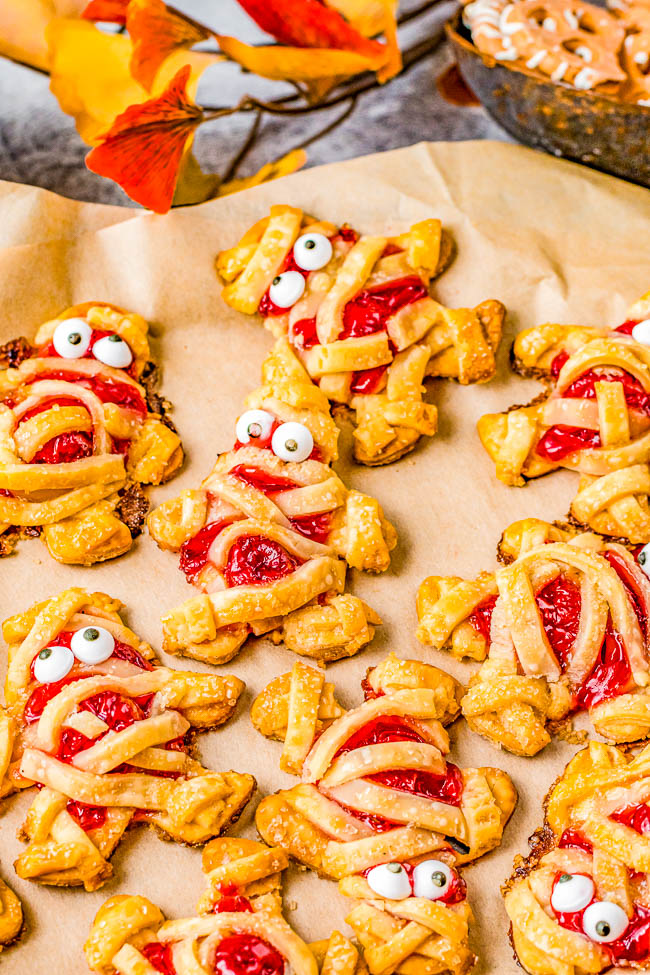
276 281
45 654
564 878
438 878
394 867
91 633
310 244
642 558
291 445
114 338
74 338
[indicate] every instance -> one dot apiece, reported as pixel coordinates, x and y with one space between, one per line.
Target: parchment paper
552 240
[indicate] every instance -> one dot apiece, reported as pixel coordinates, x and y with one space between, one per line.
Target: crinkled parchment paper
552 240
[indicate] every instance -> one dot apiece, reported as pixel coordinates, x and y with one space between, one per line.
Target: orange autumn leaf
369 17
91 78
23 24
144 147
307 23
108 11
156 31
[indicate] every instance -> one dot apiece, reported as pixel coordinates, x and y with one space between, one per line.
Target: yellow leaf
23 24
294 160
369 17
296 63
193 185
91 79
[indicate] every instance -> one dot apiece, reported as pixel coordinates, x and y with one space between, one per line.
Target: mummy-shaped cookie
357 310
80 432
376 785
240 928
580 902
594 418
562 627
106 734
270 532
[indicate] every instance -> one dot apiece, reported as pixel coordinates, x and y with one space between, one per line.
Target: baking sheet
552 240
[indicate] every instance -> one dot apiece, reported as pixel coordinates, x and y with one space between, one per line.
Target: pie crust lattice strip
11 916
270 532
358 312
376 782
106 733
562 627
594 418
580 902
240 928
81 431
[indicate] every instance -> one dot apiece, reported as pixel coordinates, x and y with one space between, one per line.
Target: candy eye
52 664
113 351
641 332
72 338
432 879
311 252
92 645
572 892
287 288
643 558
292 441
254 425
604 921
389 880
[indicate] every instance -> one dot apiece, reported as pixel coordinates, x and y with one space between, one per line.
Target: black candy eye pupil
603 928
291 445
642 558
114 338
74 338
438 878
91 633
310 244
255 430
564 878
277 280
45 654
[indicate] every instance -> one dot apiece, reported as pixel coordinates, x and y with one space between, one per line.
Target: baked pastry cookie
81 431
11 916
594 418
377 787
563 627
579 902
240 928
358 312
106 733
270 532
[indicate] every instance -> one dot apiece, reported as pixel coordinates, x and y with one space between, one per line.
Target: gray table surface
39 143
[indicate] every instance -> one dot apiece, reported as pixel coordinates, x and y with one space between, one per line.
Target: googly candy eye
92 645
112 350
292 441
572 892
389 880
604 921
254 425
641 332
311 252
287 288
52 664
432 879
643 558
71 338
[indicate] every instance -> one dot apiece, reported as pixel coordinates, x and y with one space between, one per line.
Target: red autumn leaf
156 31
107 11
308 23
144 147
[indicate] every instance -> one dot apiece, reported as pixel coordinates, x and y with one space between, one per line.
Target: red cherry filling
559 441
159 956
446 788
314 526
572 839
65 448
231 901
254 560
246 954
194 552
481 618
106 389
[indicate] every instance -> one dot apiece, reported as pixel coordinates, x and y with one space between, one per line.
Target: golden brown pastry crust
255 495
326 821
585 835
422 338
247 876
73 443
614 487
107 740
11 917
524 684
